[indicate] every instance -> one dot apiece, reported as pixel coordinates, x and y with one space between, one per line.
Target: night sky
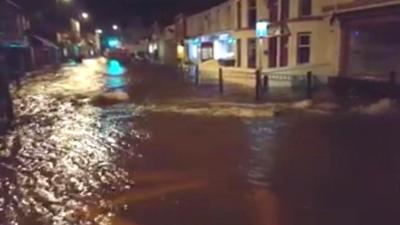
147 10
123 12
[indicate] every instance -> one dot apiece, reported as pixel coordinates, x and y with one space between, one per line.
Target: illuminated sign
262 29
114 43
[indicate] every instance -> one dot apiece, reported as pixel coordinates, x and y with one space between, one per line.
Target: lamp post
85 15
64 1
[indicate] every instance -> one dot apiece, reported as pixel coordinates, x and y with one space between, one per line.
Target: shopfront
211 47
371 43
224 47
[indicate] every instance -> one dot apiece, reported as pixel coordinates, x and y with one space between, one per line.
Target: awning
45 42
13 41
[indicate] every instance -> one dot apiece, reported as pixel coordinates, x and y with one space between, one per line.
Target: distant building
367 37
357 38
25 50
75 44
226 32
353 38
13 36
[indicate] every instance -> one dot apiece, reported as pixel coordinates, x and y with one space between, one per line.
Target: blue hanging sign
262 29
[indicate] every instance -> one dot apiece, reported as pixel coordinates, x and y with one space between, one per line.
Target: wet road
147 148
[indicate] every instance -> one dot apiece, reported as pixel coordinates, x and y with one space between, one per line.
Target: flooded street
147 147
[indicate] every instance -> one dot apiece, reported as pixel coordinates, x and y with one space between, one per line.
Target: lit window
303 48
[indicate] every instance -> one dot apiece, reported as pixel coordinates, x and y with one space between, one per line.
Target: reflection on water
115 68
116 76
189 161
261 136
116 83
61 158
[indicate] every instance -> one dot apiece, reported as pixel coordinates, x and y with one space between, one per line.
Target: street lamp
64 1
115 27
85 15
99 31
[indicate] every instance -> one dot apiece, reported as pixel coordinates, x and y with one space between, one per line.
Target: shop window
303 48
305 8
252 14
207 51
251 52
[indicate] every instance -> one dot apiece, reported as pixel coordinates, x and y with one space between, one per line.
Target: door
251 52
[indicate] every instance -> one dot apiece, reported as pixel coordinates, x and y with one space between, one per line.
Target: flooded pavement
146 148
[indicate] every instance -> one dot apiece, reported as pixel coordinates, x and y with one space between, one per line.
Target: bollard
266 82
197 75
392 77
309 84
221 80
258 85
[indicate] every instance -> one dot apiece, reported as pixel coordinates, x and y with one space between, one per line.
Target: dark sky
117 11
124 11
50 17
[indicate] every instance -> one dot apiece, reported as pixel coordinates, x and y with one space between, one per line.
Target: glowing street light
99 31
64 1
85 15
115 27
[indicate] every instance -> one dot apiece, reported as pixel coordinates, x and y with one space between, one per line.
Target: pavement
149 147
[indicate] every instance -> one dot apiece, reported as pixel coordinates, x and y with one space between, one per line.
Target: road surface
147 147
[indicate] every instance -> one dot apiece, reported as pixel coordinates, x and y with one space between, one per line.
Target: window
285 10
207 52
303 48
305 8
251 52
272 51
273 10
239 14
284 52
252 14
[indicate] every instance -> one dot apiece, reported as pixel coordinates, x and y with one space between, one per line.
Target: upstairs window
303 48
305 8
239 14
273 10
252 14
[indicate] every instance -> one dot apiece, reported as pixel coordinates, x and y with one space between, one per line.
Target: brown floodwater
148 147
